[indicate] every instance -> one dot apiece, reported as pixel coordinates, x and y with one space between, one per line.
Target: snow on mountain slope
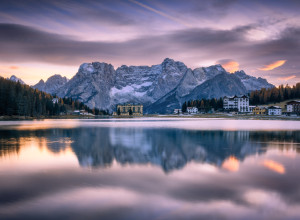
252 83
16 79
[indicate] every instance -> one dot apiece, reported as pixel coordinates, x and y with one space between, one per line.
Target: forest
204 105
274 95
22 100
258 97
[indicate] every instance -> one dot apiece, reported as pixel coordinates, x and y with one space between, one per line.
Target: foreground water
150 169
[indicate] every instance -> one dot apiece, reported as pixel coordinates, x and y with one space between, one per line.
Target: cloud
13 67
229 65
21 43
273 65
161 13
232 164
287 78
37 45
68 12
274 166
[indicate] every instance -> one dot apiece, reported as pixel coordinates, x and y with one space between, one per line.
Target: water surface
150 169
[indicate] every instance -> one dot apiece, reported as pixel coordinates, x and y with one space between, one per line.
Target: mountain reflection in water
148 173
169 148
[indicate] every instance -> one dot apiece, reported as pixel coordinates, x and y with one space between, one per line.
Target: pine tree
184 107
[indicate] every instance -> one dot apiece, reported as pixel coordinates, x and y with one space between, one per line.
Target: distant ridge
16 79
52 84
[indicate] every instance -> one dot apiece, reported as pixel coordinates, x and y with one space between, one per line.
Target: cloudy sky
39 38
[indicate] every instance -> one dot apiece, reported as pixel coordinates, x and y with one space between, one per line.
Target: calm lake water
150 169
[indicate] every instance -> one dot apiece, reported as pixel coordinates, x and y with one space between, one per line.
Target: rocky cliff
52 84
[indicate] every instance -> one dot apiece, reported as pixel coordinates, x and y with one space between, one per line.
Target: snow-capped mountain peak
16 79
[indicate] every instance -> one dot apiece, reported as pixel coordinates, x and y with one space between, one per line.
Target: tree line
22 100
275 94
203 105
258 97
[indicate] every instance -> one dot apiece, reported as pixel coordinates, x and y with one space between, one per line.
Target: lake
150 168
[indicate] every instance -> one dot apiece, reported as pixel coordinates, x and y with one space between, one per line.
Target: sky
39 38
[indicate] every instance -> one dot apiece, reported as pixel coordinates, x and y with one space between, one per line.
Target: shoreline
207 116
29 118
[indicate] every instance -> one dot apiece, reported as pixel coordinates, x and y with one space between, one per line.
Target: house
130 109
293 106
192 110
239 103
83 112
177 111
55 100
259 110
251 107
274 110
76 112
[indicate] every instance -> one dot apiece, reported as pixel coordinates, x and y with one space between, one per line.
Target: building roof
260 107
125 104
233 97
293 102
274 107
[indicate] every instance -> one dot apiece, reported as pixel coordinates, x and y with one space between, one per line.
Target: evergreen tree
184 107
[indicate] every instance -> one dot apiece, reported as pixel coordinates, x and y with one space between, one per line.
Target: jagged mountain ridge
250 82
171 82
216 87
52 84
16 79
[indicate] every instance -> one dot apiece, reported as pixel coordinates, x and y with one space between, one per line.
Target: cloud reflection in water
144 173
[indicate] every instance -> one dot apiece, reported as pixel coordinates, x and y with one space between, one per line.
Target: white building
293 106
236 102
192 110
274 110
289 108
55 100
177 111
251 107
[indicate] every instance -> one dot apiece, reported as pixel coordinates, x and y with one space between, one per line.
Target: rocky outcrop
252 83
52 84
91 85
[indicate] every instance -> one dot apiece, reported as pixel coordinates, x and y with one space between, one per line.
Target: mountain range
160 88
